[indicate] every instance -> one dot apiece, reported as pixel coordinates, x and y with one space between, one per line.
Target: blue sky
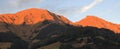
74 10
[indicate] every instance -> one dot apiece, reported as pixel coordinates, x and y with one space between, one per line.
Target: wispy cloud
12 6
69 11
88 7
20 3
75 11
29 1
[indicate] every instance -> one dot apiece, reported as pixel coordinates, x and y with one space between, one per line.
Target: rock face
98 22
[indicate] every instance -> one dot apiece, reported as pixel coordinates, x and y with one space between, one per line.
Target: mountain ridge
34 15
30 16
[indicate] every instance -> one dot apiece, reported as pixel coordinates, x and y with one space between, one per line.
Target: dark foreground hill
41 29
70 37
82 38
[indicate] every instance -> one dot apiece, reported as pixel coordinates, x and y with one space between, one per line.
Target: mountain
98 22
26 22
41 29
29 26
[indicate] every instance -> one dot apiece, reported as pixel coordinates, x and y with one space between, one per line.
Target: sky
74 10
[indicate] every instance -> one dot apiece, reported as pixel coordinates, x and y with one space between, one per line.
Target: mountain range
35 28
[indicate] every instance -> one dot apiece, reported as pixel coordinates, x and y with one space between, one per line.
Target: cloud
78 10
21 3
12 6
28 1
86 8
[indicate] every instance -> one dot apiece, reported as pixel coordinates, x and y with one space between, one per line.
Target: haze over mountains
39 27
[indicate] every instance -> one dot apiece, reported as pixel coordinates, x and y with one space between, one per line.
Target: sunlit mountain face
40 29
99 23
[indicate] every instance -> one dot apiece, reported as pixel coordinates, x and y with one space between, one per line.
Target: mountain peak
32 10
30 16
92 16
98 22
